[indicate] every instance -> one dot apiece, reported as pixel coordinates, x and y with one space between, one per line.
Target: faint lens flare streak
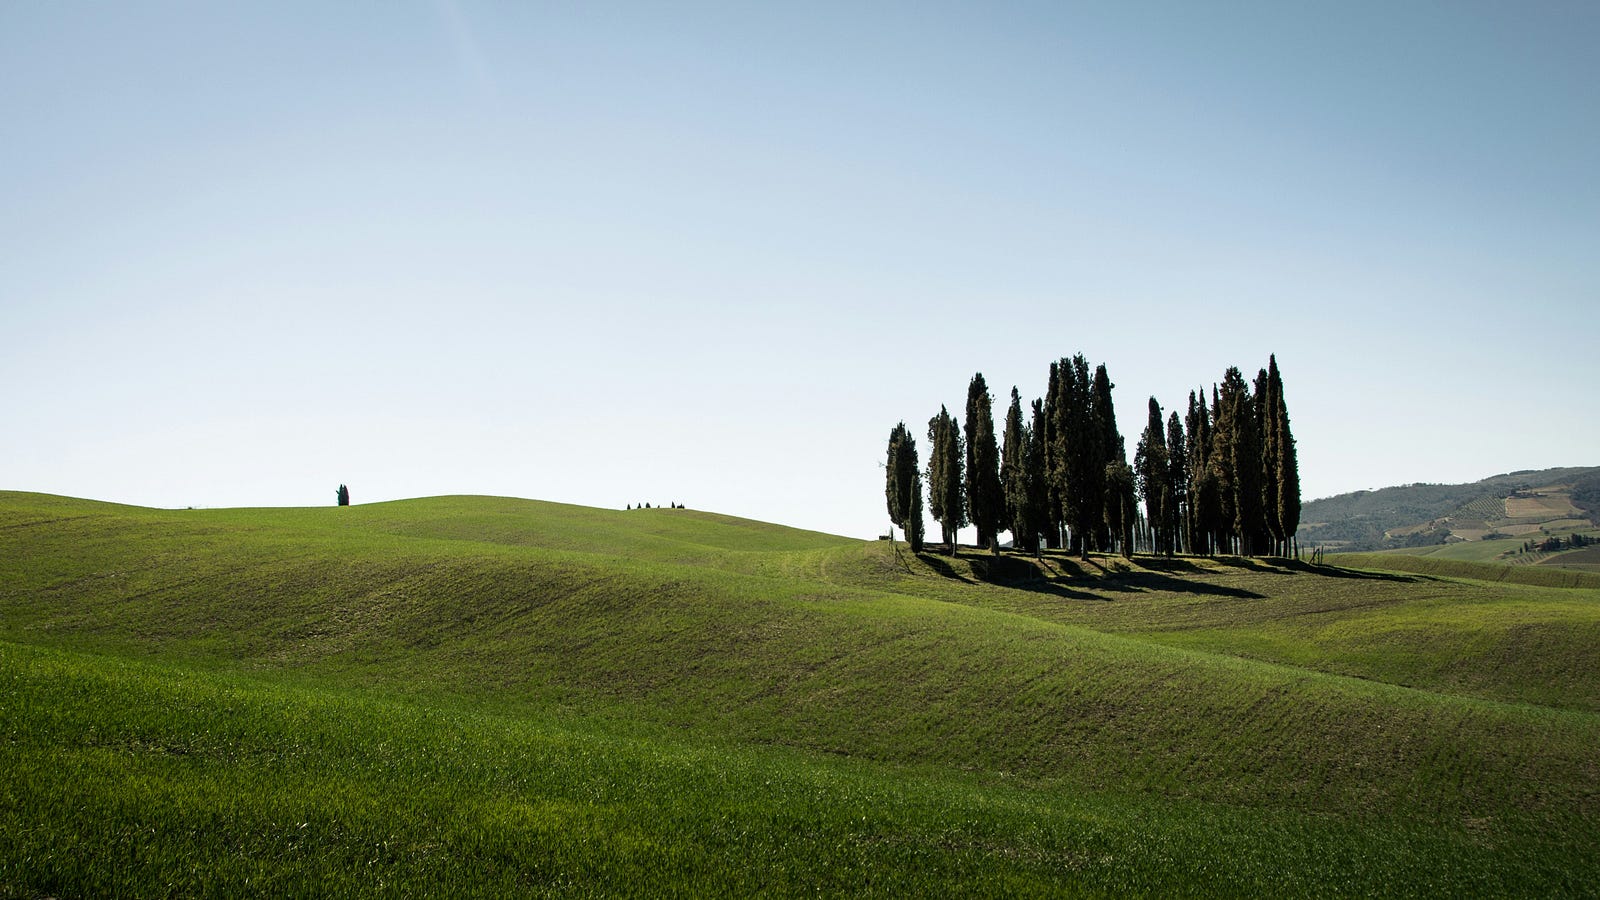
468 57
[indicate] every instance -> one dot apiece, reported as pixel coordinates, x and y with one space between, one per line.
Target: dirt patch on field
1537 507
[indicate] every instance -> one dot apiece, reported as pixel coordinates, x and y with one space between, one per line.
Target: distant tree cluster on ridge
1222 479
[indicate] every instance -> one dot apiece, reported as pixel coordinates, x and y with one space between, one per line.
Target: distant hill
1524 505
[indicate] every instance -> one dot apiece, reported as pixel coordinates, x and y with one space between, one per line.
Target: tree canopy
1222 477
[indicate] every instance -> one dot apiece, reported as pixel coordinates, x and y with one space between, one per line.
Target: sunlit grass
498 696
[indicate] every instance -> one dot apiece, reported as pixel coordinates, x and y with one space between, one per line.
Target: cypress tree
342 495
1239 451
1015 477
903 486
1038 480
1220 463
1081 477
985 498
1177 483
1054 463
1267 430
1112 451
1205 508
914 527
1121 509
1286 463
1150 465
946 500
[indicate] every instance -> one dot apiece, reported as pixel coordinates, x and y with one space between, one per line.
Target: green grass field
474 695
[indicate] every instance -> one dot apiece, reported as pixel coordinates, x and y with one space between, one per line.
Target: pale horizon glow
614 253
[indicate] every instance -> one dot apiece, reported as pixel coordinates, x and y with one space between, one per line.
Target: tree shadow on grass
1251 563
1079 579
941 564
1016 572
1282 566
1052 574
1341 572
1170 564
1140 582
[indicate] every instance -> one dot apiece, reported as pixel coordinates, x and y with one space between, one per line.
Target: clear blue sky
605 254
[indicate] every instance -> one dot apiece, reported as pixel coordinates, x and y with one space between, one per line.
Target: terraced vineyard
478 695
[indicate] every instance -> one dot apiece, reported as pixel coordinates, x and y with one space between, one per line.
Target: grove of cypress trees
945 489
342 495
985 499
903 487
1222 478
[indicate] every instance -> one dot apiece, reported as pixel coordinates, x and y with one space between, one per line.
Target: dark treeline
1221 479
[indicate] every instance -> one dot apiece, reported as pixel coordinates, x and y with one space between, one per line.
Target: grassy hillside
503 695
1515 551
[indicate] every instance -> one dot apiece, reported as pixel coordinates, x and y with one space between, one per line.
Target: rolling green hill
485 695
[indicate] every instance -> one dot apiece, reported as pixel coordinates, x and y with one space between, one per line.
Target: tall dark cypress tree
946 499
903 486
914 530
1121 508
1177 483
1015 477
1038 480
1150 466
896 493
1204 496
1286 462
1220 462
986 504
1267 431
1081 477
1103 418
1239 445
1054 464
